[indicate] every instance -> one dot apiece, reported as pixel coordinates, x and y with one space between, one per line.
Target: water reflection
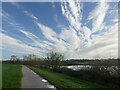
79 67
113 70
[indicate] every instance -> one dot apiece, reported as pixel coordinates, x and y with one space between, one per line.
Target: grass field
64 81
11 76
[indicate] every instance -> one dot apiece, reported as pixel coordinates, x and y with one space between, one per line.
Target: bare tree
13 58
29 57
54 59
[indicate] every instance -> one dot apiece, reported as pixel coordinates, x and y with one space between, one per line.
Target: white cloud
17 46
29 35
59 24
66 40
35 41
72 12
101 47
9 20
86 31
99 43
71 38
31 15
98 15
6 16
41 44
54 38
48 32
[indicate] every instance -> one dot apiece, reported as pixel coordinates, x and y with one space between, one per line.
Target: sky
74 29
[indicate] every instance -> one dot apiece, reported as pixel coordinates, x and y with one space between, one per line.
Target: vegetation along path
32 80
11 76
62 81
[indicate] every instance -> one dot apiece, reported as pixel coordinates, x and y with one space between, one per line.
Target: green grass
63 80
11 76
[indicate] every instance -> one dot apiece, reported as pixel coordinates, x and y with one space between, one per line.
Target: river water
112 69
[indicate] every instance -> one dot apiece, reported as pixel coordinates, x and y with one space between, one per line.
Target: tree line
52 60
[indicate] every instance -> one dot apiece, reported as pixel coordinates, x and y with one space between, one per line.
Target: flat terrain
11 76
32 80
64 81
18 76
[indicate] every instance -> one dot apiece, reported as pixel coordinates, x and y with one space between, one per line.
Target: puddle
50 86
44 80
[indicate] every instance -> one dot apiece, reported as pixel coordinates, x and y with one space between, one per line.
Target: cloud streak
98 15
75 41
15 45
30 15
72 12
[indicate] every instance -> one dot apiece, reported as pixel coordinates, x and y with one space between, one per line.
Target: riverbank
64 81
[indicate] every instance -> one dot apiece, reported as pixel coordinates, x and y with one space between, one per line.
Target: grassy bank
64 81
11 76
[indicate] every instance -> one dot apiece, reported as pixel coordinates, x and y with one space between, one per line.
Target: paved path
32 80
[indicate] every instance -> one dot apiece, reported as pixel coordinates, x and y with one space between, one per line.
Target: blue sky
75 29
